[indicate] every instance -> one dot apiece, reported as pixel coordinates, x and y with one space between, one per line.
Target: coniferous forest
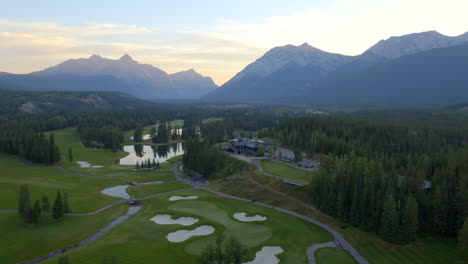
397 180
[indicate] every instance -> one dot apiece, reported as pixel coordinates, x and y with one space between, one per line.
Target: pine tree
58 209
70 154
45 204
24 205
389 220
36 212
66 207
137 166
53 153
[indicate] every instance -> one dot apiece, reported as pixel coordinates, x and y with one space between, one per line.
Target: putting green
140 240
250 234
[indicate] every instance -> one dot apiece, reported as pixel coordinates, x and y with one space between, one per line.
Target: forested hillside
391 178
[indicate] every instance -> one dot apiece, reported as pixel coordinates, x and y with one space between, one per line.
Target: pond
142 153
117 191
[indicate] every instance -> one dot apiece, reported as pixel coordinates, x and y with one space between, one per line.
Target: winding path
338 240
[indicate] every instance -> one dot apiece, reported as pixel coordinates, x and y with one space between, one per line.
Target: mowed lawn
139 240
334 255
138 191
68 137
369 245
21 242
146 176
286 171
83 192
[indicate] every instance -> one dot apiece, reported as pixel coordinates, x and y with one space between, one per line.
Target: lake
142 153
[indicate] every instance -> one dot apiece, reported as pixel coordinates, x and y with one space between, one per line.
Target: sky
216 38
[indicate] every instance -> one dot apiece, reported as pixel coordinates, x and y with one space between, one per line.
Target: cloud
227 46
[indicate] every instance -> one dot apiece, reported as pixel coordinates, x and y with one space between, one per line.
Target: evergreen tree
45 204
70 154
297 155
24 205
389 220
54 155
137 166
138 134
36 212
66 207
410 220
58 208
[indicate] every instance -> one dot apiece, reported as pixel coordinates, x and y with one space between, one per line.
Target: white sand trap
176 198
145 137
182 235
166 219
117 191
85 164
267 256
244 218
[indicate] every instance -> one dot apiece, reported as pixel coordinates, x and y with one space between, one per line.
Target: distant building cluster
245 146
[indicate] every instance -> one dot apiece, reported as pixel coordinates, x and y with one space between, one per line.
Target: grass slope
140 240
286 171
22 242
333 255
146 176
372 248
138 191
83 192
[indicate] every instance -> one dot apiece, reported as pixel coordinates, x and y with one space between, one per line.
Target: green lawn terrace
287 171
140 240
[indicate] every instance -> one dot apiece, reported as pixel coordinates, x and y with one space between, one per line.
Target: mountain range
123 75
425 68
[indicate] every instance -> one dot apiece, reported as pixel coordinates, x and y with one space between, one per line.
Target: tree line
396 180
210 160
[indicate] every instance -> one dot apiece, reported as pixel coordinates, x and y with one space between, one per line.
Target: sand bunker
182 235
145 137
176 198
85 164
166 219
267 256
117 191
244 218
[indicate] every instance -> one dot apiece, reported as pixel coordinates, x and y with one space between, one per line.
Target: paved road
311 250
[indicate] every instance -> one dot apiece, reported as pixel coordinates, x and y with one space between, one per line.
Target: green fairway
138 191
20 242
140 240
333 255
147 176
286 171
370 246
68 137
212 120
83 192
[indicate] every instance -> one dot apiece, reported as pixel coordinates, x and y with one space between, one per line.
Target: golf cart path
338 239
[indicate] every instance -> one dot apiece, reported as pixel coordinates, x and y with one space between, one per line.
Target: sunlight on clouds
226 47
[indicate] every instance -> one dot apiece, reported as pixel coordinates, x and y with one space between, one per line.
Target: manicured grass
83 192
286 171
212 120
68 137
147 176
175 158
21 242
138 191
334 255
370 246
140 240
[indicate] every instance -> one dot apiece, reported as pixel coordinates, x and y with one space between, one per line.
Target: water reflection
142 153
